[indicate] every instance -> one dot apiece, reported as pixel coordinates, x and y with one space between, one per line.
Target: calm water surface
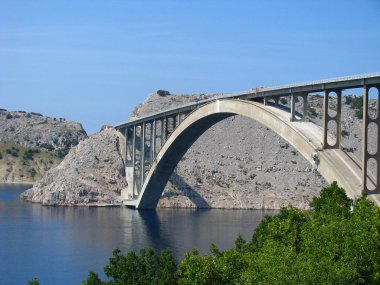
59 245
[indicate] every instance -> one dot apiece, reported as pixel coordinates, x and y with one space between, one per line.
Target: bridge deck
258 93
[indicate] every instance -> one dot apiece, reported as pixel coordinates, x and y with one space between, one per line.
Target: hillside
31 144
91 174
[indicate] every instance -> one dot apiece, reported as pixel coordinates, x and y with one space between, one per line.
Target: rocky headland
91 174
31 144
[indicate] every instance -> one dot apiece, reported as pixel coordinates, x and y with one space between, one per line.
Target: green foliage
47 146
68 143
283 101
359 113
312 112
332 202
344 133
34 281
146 268
28 154
357 102
163 92
32 172
225 268
61 153
92 279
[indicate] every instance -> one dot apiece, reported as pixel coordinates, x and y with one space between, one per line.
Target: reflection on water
60 244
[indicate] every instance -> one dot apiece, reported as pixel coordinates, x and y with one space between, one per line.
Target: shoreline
21 183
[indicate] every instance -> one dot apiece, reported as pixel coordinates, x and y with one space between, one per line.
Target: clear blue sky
93 61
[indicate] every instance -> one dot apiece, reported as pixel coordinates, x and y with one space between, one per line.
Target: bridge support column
177 120
305 107
163 131
293 113
327 118
142 156
153 140
293 107
129 160
366 155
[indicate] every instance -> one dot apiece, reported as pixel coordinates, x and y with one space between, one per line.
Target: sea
59 245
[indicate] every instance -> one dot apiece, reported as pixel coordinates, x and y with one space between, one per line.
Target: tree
92 279
146 268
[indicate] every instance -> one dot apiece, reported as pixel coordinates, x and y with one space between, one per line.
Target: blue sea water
58 245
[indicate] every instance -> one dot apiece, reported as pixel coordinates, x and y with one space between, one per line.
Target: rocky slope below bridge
31 144
237 163
91 174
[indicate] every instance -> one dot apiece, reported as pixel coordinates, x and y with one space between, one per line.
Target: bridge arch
306 137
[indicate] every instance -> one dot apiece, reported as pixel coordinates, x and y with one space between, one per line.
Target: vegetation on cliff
31 144
336 242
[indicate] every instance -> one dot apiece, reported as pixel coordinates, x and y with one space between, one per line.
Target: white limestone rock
91 174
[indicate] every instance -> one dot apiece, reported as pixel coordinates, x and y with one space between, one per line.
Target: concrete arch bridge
153 145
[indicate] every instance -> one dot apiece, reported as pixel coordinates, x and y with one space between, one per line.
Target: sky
93 61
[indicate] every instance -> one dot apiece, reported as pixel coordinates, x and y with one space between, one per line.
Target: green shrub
47 146
345 133
312 112
357 102
283 101
163 92
359 113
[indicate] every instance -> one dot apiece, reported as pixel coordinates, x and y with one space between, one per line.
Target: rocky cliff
91 174
31 144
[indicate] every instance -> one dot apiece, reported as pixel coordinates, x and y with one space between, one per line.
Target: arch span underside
306 137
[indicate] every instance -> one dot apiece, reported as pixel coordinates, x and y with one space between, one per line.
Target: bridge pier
266 100
141 142
293 101
327 119
129 162
367 157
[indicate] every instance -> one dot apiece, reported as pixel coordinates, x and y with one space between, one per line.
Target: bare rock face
35 130
237 163
91 174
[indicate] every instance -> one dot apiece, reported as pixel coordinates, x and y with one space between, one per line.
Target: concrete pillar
134 162
177 120
153 138
305 107
293 107
142 156
266 101
366 156
163 131
325 118
338 119
365 140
